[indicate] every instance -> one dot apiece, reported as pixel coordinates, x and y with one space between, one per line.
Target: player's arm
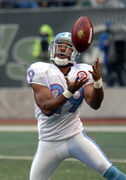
93 92
45 100
49 104
93 96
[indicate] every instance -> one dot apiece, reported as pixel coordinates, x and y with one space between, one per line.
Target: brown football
82 33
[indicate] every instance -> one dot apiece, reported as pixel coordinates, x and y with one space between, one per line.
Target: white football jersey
65 122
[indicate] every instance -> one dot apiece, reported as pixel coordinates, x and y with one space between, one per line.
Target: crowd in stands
36 3
60 3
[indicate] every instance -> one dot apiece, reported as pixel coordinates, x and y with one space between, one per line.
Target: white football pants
50 154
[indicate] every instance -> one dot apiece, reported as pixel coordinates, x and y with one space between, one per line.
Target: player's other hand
96 73
75 85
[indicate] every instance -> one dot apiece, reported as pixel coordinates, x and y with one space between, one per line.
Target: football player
59 89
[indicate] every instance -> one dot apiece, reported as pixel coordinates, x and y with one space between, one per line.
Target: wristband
67 94
98 84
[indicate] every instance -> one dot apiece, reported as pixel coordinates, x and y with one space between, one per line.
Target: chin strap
114 174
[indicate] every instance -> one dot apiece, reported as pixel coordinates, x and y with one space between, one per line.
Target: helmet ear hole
53 49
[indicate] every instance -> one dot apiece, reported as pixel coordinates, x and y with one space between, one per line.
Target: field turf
17 150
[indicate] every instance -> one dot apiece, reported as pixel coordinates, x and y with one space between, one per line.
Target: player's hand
75 85
96 73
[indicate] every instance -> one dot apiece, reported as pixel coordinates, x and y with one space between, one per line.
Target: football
82 34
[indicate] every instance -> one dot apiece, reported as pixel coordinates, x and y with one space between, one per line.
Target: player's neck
65 70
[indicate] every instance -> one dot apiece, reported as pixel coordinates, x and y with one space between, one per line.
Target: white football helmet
53 50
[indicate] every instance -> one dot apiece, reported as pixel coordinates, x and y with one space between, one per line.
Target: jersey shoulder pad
36 73
39 66
84 66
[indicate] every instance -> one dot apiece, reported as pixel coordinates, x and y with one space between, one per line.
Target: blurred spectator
41 44
69 3
25 4
7 3
57 3
53 3
61 3
98 3
117 56
19 4
81 3
104 44
113 56
107 3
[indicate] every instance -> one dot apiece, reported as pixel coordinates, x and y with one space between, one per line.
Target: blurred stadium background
18 30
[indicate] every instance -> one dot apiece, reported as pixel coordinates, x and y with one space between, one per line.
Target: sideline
87 128
14 157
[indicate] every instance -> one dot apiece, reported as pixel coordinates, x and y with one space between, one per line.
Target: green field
16 147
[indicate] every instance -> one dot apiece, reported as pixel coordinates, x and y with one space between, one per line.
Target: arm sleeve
34 76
